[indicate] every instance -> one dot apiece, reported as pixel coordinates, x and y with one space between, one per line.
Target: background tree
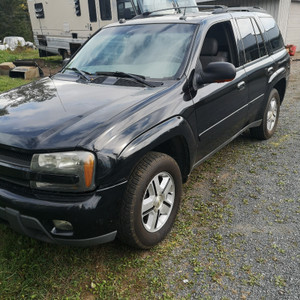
14 19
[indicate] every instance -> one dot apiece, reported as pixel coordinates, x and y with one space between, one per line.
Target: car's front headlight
64 171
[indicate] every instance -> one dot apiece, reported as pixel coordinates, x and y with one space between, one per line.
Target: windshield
154 50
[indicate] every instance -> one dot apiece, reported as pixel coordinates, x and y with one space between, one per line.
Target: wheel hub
272 114
158 201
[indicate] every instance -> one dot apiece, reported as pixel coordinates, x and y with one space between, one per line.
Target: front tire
151 201
270 118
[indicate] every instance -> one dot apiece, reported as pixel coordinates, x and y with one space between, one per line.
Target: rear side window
92 10
273 33
105 10
259 39
249 39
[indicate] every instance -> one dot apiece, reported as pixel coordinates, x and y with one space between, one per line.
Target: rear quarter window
273 33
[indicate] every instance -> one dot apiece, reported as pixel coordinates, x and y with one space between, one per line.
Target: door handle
270 71
241 85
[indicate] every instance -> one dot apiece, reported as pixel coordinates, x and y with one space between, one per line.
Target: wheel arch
177 148
280 86
173 137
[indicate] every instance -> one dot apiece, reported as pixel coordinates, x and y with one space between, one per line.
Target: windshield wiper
81 73
137 78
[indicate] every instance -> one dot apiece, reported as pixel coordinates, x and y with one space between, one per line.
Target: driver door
221 108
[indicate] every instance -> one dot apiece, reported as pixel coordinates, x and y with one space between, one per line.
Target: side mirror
65 62
214 72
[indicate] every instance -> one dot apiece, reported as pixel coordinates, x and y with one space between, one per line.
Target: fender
149 140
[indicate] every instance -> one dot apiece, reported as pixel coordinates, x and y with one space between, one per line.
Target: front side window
105 10
219 45
154 50
273 33
249 39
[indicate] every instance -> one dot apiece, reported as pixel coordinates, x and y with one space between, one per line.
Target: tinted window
259 39
92 10
39 10
273 33
105 9
249 39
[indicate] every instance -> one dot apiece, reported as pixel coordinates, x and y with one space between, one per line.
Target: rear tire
151 201
270 118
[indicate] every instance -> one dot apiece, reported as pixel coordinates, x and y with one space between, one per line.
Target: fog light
62 225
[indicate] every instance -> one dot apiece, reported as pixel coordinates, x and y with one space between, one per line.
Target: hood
53 114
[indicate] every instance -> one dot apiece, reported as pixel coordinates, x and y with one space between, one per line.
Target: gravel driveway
241 212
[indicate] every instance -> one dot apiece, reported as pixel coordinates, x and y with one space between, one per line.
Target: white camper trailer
62 26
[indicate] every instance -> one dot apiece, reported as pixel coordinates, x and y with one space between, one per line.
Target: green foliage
14 19
22 53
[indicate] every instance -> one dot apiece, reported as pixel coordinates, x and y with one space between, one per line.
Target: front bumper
93 217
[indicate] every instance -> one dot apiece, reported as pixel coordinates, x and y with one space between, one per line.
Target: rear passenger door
259 66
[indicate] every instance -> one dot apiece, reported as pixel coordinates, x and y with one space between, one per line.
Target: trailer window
92 10
125 10
39 10
77 8
105 9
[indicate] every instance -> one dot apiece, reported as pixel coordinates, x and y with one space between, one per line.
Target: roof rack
184 8
237 9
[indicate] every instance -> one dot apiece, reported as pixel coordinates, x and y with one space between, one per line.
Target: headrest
210 47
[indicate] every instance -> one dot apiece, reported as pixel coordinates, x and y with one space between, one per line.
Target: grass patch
7 83
32 269
25 53
19 53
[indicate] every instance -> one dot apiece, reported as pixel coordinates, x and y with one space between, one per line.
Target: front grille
15 167
15 158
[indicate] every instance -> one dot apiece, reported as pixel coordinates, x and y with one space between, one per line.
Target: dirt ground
242 209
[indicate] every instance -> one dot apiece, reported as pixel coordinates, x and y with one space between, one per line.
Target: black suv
101 149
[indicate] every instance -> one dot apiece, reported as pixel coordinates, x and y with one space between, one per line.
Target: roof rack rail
184 8
239 8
